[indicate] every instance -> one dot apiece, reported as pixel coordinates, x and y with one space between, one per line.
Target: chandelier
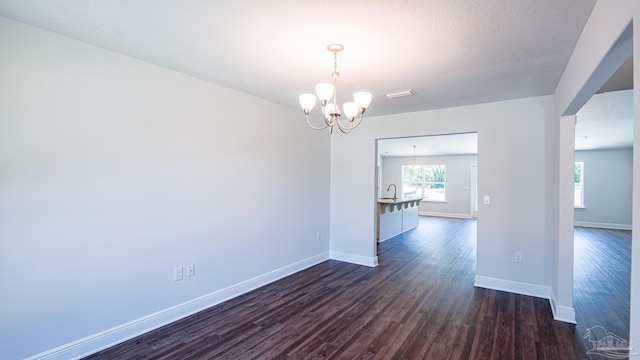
353 111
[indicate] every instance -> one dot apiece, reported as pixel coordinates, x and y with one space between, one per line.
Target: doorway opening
603 206
441 170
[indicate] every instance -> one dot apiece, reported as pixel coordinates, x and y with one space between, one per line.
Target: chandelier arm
359 121
345 129
353 124
316 127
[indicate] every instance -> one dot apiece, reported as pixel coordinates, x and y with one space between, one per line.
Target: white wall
114 171
609 37
511 169
458 182
634 318
608 179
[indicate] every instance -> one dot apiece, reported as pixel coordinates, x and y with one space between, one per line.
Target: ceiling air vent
400 93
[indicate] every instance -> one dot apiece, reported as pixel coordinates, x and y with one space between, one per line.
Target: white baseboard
602 225
354 259
446 215
565 314
100 341
561 313
515 287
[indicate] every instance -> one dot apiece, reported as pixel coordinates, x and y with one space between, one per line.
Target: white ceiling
451 52
606 121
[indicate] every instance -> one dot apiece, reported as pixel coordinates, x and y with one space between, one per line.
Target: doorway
603 212
452 156
571 137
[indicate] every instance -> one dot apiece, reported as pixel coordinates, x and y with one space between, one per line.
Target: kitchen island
396 216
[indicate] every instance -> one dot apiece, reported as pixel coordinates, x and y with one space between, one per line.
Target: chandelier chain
335 72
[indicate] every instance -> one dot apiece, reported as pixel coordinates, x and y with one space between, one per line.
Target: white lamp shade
324 91
362 98
331 108
307 101
350 109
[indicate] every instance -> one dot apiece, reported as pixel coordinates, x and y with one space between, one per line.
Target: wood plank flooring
602 279
419 303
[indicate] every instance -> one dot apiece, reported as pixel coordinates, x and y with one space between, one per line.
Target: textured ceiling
451 52
606 122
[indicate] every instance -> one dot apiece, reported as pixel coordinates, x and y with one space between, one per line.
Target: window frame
578 187
404 189
425 182
424 187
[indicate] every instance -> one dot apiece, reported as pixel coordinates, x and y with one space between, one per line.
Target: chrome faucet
395 190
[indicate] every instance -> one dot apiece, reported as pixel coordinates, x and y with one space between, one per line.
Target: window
434 182
578 185
412 180
427 181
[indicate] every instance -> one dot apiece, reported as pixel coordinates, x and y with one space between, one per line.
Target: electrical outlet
487 200
177 273
517 257
191 270
318 235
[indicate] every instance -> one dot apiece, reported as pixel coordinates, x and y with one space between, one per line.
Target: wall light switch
487 200
191 270
177 273
517 257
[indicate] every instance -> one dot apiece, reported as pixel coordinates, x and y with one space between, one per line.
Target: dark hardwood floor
419 303
602 280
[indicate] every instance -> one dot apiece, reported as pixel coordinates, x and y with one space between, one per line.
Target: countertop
399 200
